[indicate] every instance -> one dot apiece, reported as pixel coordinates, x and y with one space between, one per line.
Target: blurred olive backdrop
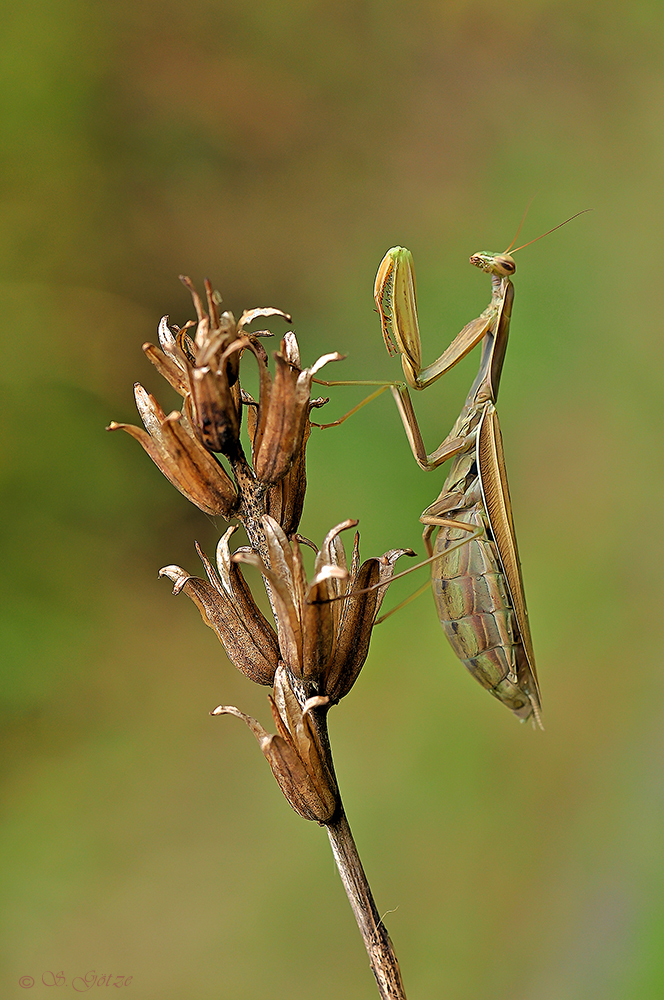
280 148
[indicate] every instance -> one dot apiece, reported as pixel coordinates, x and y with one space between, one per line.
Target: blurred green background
280 148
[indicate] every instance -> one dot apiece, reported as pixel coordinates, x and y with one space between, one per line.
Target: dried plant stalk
313 656
382 957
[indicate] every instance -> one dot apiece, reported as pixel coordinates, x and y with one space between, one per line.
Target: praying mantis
477 586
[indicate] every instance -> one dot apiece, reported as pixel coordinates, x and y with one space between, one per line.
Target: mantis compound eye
504 264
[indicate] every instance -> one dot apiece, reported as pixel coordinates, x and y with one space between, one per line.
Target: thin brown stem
382 958
251 501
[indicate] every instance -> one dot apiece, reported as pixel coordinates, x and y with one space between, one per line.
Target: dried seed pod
284 403
227 606
324 627
185 462
297 760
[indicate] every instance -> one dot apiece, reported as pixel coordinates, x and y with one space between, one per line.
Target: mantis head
501 264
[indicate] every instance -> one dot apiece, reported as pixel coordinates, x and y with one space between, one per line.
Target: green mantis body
478 588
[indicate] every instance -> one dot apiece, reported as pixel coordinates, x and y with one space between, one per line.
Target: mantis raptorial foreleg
394 294
396 302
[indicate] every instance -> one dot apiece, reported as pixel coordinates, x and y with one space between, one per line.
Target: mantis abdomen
475 609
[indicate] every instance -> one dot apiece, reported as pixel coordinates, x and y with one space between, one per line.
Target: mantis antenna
559 226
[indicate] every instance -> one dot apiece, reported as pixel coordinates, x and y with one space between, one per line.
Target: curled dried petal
291 350
249 315
166 360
